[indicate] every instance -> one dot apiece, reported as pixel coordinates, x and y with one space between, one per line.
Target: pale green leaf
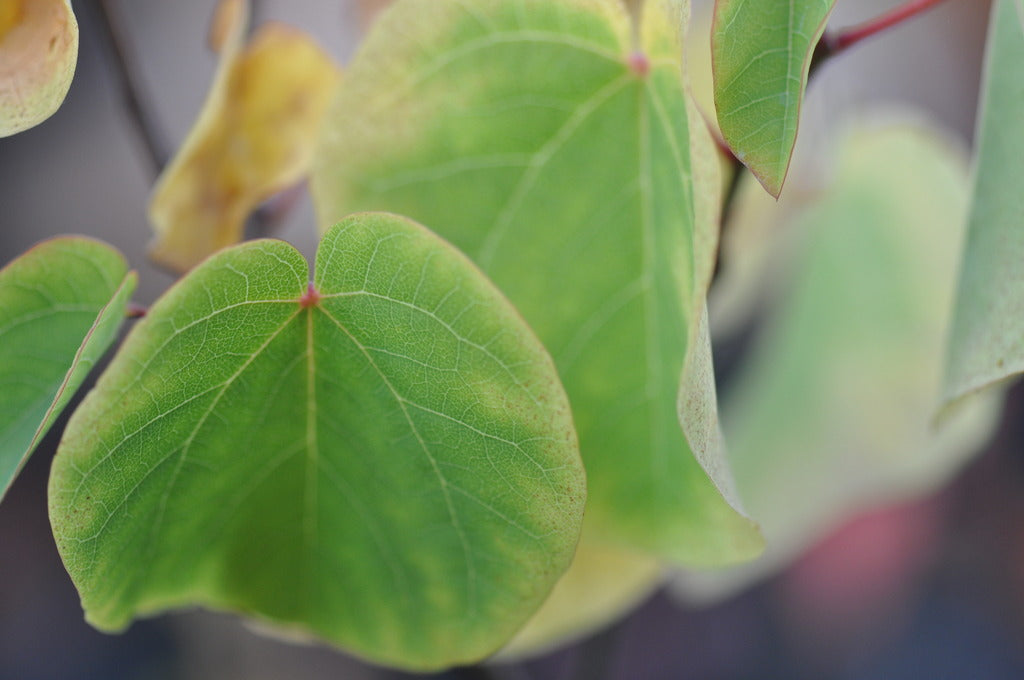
571 165
385 461
61 304
987 341
761 55
832 414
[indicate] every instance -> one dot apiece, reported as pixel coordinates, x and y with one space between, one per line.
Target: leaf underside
761 54
565 162
987 340
385 461
61 305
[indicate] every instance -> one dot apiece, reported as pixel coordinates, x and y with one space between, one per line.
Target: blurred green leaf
603 583
61 304
386 461
761 55
987 341
572 166
832 413
38 55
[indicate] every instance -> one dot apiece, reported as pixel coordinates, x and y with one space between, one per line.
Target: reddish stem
135 311
851 36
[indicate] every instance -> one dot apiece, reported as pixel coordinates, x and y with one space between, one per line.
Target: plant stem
135 311
128 81
832 44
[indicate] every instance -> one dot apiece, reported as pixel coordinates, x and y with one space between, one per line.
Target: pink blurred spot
639 64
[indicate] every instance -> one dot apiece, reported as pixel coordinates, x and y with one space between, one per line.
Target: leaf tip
772 182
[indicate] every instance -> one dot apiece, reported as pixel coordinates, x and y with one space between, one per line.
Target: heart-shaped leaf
61 304
571 165
987 342
38 55
384 460
253 138
761 54
833 413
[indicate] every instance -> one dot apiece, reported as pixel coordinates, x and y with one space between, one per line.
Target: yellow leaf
38 54
602 583
254 137
229 20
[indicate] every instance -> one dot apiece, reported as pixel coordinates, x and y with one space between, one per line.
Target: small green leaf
384 460
61 304
987 341
833 413
761 54
571 165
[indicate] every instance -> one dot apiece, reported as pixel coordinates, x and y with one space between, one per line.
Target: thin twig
128 81
832 44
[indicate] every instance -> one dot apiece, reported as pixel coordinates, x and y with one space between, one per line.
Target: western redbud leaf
761 55
384 460
61 304
987 339
832 414
38 55
253 138
571 165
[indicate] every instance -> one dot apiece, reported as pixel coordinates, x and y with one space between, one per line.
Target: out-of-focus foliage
38 55
761 53
253 138
571 164
987 342
384 459
832 413
602 584
61 304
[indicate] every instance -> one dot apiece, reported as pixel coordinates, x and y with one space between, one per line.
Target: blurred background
929 589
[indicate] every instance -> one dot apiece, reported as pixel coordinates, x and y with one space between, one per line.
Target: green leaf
572 167
61 304
761 54
833 411
385 461
987 341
